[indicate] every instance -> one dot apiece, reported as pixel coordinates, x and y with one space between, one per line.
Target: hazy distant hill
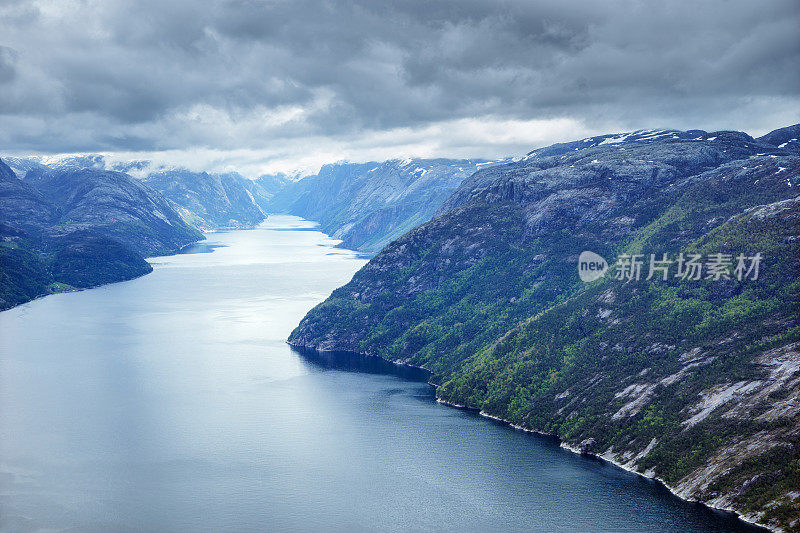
209 201
367 205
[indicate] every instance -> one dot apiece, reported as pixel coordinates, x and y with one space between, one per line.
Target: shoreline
749 520
80 289
148 259
74 289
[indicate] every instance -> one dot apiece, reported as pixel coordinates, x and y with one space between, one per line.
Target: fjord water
172 403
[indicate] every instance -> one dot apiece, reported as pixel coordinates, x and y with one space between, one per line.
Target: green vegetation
29 269
23 276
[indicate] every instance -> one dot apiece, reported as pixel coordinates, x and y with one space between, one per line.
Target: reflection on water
353 362
200 248
172 403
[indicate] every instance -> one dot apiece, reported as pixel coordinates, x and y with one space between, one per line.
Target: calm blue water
172 403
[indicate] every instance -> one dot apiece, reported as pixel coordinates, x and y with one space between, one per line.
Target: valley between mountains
474 276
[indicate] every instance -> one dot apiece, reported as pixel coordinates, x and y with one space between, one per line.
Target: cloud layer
276 84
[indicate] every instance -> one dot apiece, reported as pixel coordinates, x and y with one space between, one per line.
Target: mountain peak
787 138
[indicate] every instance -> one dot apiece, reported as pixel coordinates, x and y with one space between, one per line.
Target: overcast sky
278 85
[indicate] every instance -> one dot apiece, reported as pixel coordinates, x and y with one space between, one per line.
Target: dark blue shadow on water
364 364
201 248
723 521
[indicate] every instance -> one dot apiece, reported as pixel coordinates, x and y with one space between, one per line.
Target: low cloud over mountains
268 83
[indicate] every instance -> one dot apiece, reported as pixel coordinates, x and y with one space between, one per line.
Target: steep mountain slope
367 205
210 201
67 228
205 200
115 205
22 206
696 382
84 259
24 213
265 187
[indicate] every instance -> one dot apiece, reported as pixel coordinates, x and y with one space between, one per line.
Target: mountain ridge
366 205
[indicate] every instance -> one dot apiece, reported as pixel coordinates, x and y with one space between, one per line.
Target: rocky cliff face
368 205
694 381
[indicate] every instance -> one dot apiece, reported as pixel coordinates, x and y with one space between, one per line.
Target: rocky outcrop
787 138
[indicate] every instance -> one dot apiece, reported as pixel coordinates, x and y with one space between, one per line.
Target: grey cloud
8 59
154 75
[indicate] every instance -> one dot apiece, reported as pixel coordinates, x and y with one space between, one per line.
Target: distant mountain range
208 201
55 208
367 205
693 381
